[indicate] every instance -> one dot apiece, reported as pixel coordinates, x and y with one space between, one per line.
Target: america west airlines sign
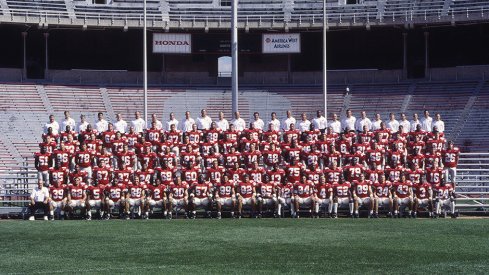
281 43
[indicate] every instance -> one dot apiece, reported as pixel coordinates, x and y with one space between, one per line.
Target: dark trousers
39 205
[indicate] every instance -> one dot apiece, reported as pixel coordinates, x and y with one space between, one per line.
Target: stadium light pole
145 64
325 76
234 55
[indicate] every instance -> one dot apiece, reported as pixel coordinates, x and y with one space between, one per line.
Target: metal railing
335 17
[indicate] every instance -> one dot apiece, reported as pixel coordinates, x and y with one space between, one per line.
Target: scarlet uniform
93 146
231 135
178 191
194 136
118 145
434 175
174 136
267 190
293 172
435 145
395 158
276 176
153 136
95 192
186 157
102 176
107 138
271 157
115 192
274 134
341 191
224 190
107 158
343 146
418 159
44 161
212 135
71 147
422 191
292 153
313 175
361 147
57 193
83 159
236 174
76 192
430 158
157 192
375 158
256 174
123 176
450 157
312 158
394 174
373 175
323 146
191 175
362 188
145 176
126 160
333 175
286 191
63 158
332 157
58 176
444 191
148 159
245 189
383 135
170 159
131 141
312 136
383 190
353 172
202 190
304 190
48 146
290 135
415 176
226 145
323 191
136 191
418 145
401 189
216 174
82 175
209 159
251 157
166 174
231 158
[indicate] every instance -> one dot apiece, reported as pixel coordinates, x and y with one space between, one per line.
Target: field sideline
246 246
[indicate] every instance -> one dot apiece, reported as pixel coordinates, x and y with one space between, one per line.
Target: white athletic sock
330 208
51 212
279 209
350 205
316 207
335 207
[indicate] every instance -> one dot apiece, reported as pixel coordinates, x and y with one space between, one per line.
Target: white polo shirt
286 123
414 124
376 125
363 122
320 123
139 125
223 124
39 194
121 126
406 126
187 124
204 123
304 125
158 125
426 124
54 126
393 125
275 124
258 124
101 125
336 125
169 123
348 122
440 125
68 122
239 124
82 127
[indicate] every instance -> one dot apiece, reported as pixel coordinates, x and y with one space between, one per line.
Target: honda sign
172 43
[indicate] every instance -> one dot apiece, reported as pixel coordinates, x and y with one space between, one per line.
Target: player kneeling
246 195
403 197
383 196
156 198
445 199
424 197
323 197
224 196
200 197
95 200
57 200
362 196
115 197
76 198
303 191
177 197
342 196
267 196
136 198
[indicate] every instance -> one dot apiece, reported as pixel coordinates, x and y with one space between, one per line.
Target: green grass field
246 246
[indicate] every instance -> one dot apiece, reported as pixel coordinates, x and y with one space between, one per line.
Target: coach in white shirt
238 122
426 122
288 120
139 124
376 123
415 122
101 125
393 124
204 121
39 199
320 122
83 124
304 123
53 124
406 126
363 121
158 123
257 121
335 123
188 122
349 121
222 123
120 125
274 122
439 124
68 121
172 121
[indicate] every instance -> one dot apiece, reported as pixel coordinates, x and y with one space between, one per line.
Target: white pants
56 205
95 204
76 204
447 204
383 202
113 204
363 201
304 201
403 201
226 202
267 201
201 202
44 175
422 203
155 204
450 173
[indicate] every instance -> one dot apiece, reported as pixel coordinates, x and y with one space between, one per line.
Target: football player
201 196
267 196
323 197
303 195
246 195
224 195
362 195
445 199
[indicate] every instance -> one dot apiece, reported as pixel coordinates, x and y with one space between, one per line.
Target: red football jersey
342 190
383 190
57 194
267 190
76 192
362 189
401 189
245 189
